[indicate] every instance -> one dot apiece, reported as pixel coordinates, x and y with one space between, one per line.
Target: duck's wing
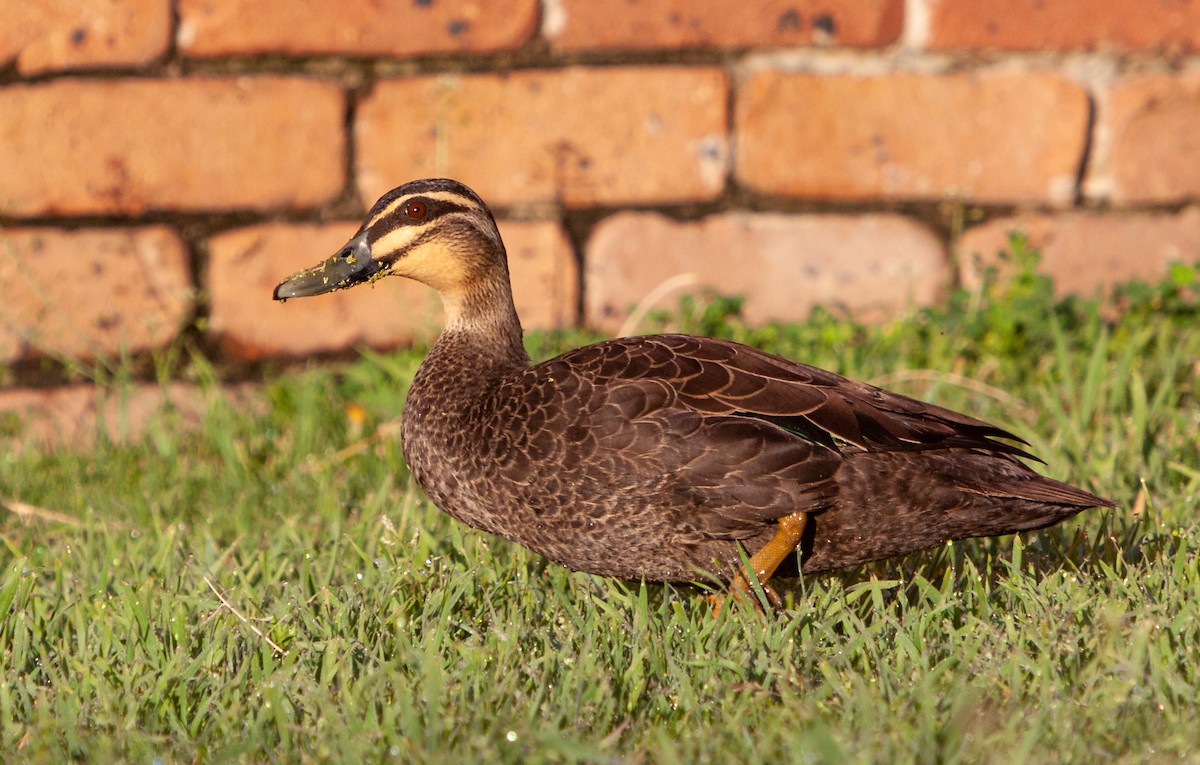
730 436
719 377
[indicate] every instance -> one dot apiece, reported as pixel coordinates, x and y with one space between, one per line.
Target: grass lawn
272 587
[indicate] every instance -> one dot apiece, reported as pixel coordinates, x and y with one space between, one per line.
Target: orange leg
764 562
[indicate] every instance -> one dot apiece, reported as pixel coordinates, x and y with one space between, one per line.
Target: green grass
407 637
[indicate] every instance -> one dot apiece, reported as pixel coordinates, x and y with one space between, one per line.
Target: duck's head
436 231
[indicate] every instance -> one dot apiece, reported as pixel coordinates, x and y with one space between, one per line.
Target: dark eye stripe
399 215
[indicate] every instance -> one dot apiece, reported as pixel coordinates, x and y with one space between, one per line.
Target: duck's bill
352 265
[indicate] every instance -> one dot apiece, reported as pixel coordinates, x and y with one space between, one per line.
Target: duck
668 457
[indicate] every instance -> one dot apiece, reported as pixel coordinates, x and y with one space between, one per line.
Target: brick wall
163 163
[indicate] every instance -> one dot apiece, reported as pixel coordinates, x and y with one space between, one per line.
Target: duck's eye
415 209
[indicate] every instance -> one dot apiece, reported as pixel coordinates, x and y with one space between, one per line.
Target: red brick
1064 24
73 416
986 136
1152 127
246 264
76 146
1089 252
545 273
46 36
874 265
93 292
577 136
595 24
353 27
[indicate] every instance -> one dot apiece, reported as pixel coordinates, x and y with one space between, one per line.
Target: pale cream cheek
393 241
434 266
430 263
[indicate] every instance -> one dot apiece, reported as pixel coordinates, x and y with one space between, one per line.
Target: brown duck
668 457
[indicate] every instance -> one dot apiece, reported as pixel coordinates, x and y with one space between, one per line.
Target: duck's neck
482 336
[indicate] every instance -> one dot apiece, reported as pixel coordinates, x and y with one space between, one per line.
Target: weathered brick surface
545 273
1088 252
873 265
45 36
353 27
123 146
246 264
577 135
74 416
92 292
596 24
912 136
1064 24
587 105
1152 126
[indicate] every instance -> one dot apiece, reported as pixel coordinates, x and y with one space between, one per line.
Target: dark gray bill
352 265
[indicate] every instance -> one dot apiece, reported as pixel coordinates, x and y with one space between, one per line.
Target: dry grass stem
243 619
